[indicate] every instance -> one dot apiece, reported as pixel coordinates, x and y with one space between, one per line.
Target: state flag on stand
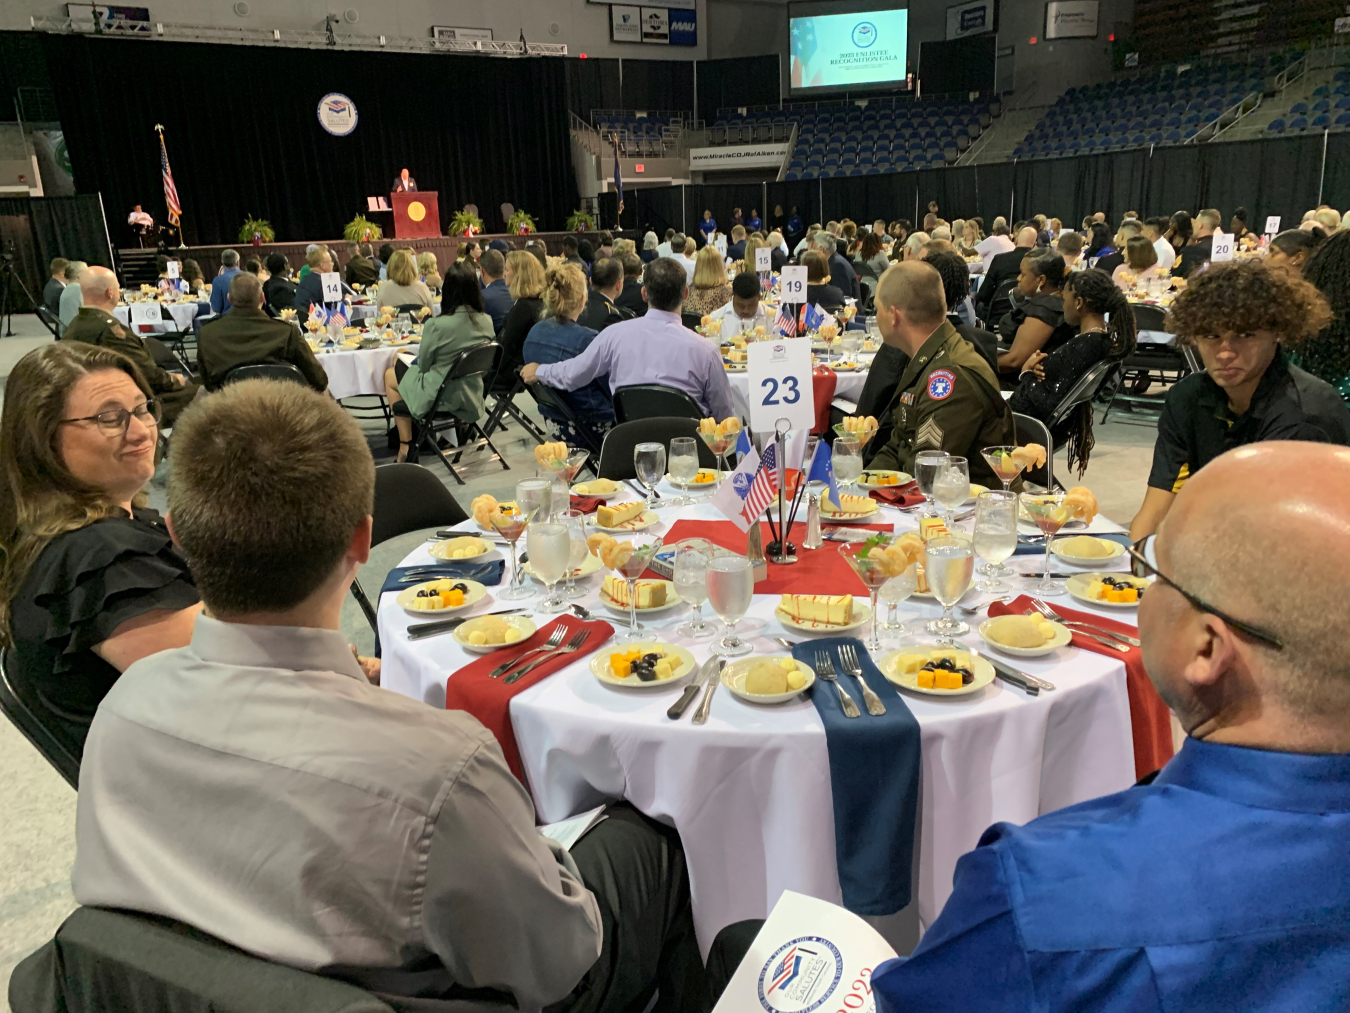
812 317
731 495
822 470
318 312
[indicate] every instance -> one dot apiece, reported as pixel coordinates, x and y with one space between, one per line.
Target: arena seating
1329 109
649 135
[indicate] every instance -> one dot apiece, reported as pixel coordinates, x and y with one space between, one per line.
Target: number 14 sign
780 384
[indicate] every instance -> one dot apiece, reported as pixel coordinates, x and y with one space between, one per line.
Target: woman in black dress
1036 321
89 578
819 291
1090 299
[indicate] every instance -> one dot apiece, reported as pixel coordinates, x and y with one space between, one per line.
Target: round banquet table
750 791
848 385
183 314
353 372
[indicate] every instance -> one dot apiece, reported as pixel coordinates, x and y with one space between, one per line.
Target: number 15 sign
780 384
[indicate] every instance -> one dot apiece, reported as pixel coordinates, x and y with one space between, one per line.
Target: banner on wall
683 27
970 19
746 156
682 5
625 24
1071 19
656 25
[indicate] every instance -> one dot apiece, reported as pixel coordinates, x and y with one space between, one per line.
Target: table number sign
332 286
1272 225
173 270
780 384
792 284
1222 249
763 259
144 314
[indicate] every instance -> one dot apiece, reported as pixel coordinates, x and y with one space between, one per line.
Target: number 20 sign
780 384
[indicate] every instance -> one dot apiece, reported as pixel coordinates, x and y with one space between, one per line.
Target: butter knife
678 708
418 631
1028 683
701 715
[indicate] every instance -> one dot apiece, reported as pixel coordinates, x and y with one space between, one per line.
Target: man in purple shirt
655 348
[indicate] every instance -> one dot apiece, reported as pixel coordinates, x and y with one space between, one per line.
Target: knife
484 535
1021 680
678 708
419 630
1042 573
701 715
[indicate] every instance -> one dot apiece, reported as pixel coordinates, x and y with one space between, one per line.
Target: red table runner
489 700
817 571
1150 720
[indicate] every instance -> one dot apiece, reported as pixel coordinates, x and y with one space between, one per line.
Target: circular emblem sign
864 34
417 211
941 383
800 976
337 114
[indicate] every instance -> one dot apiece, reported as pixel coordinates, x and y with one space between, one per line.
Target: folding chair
480 360
265 371
653 400
1033 430
616 456
547 397
53 750
49 320
503 403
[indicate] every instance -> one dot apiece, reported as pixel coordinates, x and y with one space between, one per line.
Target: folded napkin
587 504
874 779
1029 548
1150 720
488 573
901 495
489 700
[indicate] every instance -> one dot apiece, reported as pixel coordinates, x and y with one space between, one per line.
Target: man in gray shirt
257 786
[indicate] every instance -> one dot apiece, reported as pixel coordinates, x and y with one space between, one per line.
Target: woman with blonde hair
402 288
711 289
524 277
622 246
557 337
430 271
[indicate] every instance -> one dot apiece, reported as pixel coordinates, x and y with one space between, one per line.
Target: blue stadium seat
1321 122
791 174
1321 106
1276 126
855 171
1172 137
1298 109
1298 123
1155 137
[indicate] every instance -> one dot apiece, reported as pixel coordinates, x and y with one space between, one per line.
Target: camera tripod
9 277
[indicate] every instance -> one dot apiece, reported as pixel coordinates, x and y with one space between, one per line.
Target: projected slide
849 50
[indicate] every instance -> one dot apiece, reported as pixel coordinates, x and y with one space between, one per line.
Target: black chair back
265 371
547 397
1001 303
53 750
133 963
408 497
1149 318
691 320
49 320
410 307
1085 389
653 400
480 360
1033 430
616 456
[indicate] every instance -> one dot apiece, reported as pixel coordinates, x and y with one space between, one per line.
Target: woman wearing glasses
89 580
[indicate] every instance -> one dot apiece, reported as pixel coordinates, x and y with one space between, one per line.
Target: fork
555 638
825 669
1123 648
571 647
848 659
1050 613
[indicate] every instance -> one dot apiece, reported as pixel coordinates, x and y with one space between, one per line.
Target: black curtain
34 230
658 84
592 84
1336 186
739 81
957 65
656 208
245 139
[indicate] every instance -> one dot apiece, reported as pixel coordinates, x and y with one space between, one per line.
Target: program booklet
810 955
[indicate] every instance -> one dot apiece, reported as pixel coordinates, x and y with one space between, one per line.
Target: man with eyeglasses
96 325
1239 316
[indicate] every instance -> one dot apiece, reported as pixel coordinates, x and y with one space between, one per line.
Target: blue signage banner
683 27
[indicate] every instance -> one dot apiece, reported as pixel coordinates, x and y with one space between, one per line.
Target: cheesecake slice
613 516
650 594
828 609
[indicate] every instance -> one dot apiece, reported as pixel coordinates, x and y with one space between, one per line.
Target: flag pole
781 551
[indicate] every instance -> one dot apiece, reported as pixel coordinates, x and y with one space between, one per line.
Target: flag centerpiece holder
780 550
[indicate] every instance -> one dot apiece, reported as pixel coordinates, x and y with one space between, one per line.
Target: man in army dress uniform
606 283
96 325
247 336
948 398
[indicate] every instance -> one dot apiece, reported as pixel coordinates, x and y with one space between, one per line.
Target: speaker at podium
416 215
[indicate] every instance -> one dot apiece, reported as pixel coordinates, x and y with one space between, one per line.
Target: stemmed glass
951 488
1003 464
848 464
927 465
649 461
893 592
995 534
511 527
576 534
683 463
550 548
874 570
691 583
565 471
721 444
848 344
731 584
536 493
949 562
1048 512
630 569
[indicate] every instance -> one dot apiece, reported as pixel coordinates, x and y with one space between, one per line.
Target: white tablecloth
183 314
750 791
353 372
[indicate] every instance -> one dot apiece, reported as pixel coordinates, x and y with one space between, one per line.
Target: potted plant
465 223
520 224
361 230
580 221
256 231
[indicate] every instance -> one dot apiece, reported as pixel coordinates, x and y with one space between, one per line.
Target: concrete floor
37 834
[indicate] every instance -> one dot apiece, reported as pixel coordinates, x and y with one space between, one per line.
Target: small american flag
170 190
786 321
765 486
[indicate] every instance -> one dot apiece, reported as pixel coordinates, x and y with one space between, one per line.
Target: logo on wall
337 114
683 28
656 25
864 34
625 24
800 976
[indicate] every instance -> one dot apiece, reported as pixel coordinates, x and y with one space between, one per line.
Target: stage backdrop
244 136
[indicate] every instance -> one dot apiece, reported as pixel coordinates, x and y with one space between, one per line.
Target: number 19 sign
780 384
792 284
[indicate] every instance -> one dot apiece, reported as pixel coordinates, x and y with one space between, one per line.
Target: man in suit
361 269
310 290
56 284
606 284
736 251
220 284
278 290
841 271
630 298
1004 267
1129 228
248 336
403 183
777 250
1207 222
497 300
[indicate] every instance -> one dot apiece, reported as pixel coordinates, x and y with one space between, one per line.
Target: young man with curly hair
1241 317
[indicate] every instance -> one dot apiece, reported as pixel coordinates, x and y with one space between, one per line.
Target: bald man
948 396
991 302
247 336
1225 884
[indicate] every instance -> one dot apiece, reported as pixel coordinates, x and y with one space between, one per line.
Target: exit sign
639 167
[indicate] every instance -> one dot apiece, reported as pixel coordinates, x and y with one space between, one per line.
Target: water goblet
927 465
949 561
951 488
995 534
576 533
691 583
893 592
536 493
649 461
1049 514
683 464
848 464
731 585
550 548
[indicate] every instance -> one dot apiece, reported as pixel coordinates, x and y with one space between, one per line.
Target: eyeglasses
1142 555
116 421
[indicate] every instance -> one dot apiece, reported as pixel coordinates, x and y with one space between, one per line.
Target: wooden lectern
416 215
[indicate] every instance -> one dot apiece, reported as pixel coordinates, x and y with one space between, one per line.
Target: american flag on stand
170 190
765 485
786 321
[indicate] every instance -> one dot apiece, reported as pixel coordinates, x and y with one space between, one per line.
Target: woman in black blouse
1036 321
1090 298
525 281
819 291
89 579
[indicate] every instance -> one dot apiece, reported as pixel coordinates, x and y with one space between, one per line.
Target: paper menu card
810 955
568 832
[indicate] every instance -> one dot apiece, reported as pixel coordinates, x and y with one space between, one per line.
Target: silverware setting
848 658
420 631
973 610
677 709
714 678
1029 684
571 647
639 490
1123 648
1051 614
555 638
584 613
825 669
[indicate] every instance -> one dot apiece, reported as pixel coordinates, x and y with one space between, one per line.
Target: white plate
733 678
984 672
1089 560
1062 636
862 612
842 367
590 566
644 520
904 479
523 623
1079 583
606 496
601 670
672 599
700 487
830 516
437 549
474 595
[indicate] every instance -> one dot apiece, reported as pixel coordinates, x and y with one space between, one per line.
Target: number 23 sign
780 384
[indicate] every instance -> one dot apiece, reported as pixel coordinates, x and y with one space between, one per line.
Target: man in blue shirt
1225 884
755 222
707 226
220 285
795 227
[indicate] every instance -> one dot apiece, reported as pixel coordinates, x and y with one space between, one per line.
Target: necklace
1094 330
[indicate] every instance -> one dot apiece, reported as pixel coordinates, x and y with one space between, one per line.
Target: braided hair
1100 295
1327 353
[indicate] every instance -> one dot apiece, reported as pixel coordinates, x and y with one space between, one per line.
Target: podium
416 215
